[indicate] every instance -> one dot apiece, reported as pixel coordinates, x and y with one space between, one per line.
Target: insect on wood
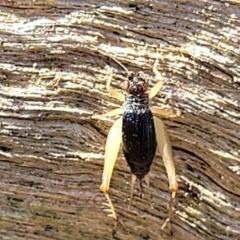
139 131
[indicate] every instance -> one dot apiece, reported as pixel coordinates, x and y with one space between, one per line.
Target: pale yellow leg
157 87
112 113
134 177
147 180
112 91
113 143
168 113
165 148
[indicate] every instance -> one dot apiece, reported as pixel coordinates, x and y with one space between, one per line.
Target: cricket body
140 132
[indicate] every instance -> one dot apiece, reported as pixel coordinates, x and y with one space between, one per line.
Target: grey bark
52 80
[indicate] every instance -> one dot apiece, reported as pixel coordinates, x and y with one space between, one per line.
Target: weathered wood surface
52 79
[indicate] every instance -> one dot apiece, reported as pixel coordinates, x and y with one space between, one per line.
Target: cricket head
135 84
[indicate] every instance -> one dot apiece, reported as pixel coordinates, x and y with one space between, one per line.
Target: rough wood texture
52 79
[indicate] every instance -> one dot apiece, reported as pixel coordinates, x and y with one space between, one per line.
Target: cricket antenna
118 62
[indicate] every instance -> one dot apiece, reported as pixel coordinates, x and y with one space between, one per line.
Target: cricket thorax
136 103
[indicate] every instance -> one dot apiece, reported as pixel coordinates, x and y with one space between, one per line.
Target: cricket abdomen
139 139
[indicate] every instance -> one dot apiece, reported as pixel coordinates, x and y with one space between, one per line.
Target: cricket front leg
158 86
165 148
113 143
112 91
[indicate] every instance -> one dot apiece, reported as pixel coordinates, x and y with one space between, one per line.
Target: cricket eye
130 76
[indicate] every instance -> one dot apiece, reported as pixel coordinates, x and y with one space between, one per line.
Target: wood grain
53 70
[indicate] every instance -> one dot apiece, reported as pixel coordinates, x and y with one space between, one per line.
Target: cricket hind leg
167 222
113 214
165 149
113 143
